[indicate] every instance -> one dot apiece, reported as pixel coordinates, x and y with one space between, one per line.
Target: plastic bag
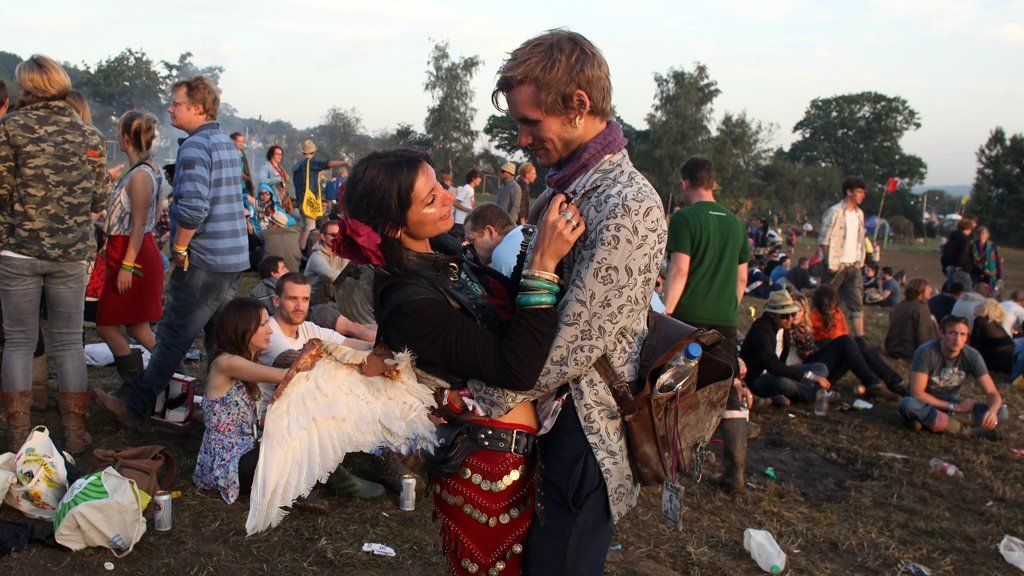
1012 549
41 476
101 509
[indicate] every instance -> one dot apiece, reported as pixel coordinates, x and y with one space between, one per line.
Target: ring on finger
567 215
575 224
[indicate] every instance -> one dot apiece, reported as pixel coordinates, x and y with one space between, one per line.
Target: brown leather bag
667 432
152 467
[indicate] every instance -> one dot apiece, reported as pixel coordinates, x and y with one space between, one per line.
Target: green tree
124 82
185 68
8 62
449 122
998 194
341 134
678 126
504 134
860 134
404 135
800 192
738 149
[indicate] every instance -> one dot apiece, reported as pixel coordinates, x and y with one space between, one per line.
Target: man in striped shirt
210 247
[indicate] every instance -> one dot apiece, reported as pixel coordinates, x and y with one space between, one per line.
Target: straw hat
780 302
280 218
309 147
509 167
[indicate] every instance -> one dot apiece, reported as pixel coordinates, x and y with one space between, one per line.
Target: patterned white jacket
610 273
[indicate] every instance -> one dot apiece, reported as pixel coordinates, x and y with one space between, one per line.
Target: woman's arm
231 368
140 194
441 335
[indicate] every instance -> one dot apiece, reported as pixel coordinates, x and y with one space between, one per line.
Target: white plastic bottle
681 369
764 550
821 402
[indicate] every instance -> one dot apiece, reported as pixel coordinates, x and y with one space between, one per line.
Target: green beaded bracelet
537 284
534 299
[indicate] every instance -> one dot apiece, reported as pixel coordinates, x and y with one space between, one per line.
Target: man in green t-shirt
707 272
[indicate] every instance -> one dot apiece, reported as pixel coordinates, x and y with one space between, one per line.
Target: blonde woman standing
52 178
134 282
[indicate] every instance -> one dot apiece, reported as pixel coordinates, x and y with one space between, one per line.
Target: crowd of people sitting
389 254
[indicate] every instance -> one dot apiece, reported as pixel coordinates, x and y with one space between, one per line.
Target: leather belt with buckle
503 440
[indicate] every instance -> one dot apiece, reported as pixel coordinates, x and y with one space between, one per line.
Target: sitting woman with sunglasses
462 322
828 323
840 355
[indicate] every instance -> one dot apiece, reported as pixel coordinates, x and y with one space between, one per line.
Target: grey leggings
22 283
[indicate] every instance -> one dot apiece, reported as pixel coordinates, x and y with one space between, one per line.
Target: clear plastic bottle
821 402
681 369
764 550
947 468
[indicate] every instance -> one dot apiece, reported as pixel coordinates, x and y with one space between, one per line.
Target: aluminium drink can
162 517
407 499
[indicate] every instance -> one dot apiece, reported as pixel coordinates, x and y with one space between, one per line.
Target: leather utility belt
456 440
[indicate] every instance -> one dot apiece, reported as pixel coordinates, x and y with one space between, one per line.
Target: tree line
849 134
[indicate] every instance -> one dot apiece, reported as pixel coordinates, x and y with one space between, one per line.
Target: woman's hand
124 281
557 231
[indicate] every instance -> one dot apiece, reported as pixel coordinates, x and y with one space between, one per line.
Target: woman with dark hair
828 323
53 178
911 323
462 321
272 172
132 294
229 452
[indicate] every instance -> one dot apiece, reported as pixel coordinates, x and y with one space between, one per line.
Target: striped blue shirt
207 178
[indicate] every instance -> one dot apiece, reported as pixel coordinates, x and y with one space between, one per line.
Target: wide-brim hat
309 147
281 219
509 167
780 302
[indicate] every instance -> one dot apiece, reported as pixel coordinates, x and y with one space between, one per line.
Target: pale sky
958 62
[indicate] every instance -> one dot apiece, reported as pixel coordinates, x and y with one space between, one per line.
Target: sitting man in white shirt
289 332
1014 312
496 239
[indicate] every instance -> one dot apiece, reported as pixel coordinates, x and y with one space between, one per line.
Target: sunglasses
789 315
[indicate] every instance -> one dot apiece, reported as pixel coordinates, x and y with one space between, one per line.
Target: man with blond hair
210 248
557 87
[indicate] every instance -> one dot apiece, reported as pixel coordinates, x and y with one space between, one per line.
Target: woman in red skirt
134 282
462 321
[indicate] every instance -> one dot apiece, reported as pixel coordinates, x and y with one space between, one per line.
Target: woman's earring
578 122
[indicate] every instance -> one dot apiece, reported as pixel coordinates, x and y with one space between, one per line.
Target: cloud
1011 33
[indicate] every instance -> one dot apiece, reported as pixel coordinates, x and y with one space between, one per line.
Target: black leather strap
503 439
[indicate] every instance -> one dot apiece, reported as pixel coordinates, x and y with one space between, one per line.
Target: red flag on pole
892 184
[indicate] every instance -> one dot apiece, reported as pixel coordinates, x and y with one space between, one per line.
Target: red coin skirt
143 302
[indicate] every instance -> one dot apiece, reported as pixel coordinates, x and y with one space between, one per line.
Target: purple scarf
609 141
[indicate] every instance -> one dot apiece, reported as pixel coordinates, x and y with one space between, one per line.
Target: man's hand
746 397
990 420
822 381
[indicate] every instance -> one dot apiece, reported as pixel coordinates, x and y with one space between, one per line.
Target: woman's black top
447 311
994 343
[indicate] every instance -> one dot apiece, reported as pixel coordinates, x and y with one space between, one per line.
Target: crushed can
407 499
162 508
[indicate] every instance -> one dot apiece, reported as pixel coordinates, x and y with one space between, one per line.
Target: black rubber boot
129 366
734 436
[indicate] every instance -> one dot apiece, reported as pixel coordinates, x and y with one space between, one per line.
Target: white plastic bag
1012 549
41 476
101 509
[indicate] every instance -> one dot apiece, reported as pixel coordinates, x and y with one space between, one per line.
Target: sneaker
311 504
834 396
781 401
913 425
760 404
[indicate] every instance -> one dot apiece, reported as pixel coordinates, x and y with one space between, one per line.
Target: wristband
456 410
543 285
535 300
952 408
530 273
809 376
180 249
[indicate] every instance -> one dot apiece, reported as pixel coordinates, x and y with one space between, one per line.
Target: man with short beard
558 89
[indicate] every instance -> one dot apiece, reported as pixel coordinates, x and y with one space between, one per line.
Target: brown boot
40 384
734 437
74 407
17 410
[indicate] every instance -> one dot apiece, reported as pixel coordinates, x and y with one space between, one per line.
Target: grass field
837 507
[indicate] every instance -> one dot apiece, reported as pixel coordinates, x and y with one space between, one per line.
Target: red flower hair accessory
357 242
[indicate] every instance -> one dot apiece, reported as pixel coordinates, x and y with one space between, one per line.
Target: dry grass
836 508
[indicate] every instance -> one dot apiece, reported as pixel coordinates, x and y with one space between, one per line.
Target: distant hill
957 190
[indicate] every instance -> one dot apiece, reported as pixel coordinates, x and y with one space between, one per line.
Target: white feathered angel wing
325 408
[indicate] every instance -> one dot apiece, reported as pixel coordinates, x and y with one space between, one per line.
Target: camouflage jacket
53 173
